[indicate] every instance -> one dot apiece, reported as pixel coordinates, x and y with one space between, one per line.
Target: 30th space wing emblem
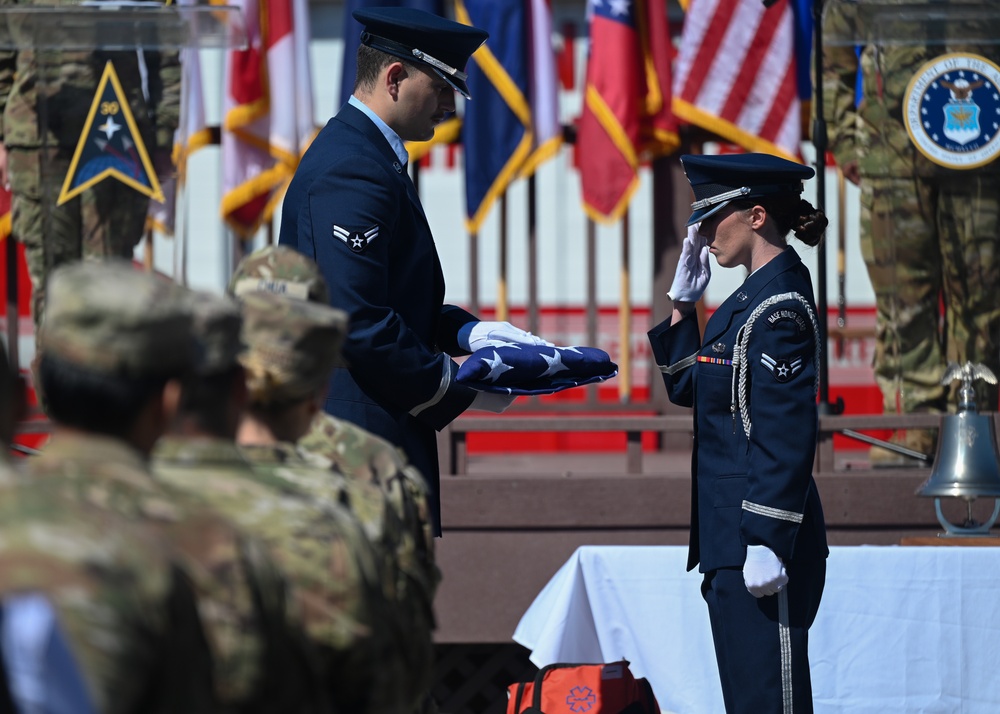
356 240
110 146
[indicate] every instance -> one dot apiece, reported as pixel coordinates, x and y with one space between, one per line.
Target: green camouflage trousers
928 244
105 220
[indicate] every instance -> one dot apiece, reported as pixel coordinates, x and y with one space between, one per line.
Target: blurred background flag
268 111
626 114
511 125
743 70
543 90
192 134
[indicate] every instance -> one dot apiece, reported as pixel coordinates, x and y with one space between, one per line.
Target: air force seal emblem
356 240
952 110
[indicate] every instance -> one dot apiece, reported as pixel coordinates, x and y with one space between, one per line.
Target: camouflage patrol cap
282 270
111 318
292 346
217 324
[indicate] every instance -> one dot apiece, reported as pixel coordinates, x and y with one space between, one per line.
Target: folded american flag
534 369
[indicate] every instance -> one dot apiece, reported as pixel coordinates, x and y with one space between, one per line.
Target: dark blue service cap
718 180
424 39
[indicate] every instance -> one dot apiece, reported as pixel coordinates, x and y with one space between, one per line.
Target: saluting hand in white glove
763 571
491 334
693 269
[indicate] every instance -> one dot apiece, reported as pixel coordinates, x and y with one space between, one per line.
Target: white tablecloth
900 629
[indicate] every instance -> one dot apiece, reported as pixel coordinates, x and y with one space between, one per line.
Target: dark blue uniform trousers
761 644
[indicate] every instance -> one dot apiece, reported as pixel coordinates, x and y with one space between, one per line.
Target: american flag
736 74
507 368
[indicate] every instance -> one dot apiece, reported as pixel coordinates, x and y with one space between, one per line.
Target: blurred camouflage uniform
108 218
353 451
108 320
292 346
332 568
129 613
929 234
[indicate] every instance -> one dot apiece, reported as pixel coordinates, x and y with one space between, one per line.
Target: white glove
693 268
491 334
763 571
492 402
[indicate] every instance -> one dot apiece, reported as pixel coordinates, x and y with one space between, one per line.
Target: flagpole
501 311
591 296
533 316
625 319
474 273
841 260
820 143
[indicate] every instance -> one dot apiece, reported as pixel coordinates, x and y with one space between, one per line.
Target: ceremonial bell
966 465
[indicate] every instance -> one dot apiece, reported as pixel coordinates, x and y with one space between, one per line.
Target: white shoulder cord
740 367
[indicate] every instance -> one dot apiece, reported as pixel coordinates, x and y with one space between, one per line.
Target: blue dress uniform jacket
353 208
755 490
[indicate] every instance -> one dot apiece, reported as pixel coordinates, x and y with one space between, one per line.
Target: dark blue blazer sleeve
452 319
674 349
781 357
388 359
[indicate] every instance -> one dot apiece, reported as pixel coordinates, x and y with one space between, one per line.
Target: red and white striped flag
268 111
735 74
626 116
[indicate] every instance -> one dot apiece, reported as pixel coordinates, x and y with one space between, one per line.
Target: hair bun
811 224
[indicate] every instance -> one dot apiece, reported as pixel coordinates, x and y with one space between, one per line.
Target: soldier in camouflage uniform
129 613
929 234
113 343
334 570
292 346
352 450
46 96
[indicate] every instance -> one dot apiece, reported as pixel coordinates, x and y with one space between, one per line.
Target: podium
97 93
927 143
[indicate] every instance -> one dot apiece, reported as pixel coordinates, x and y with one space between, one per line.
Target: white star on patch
555 364
357 241
781 369
109 127
497 366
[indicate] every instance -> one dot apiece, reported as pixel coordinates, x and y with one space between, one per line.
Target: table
900 629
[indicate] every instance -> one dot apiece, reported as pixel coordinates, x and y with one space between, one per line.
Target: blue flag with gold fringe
496 126
110 145
534 369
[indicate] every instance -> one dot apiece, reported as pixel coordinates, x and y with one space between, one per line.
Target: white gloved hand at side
492 402
763 571
491 334
693 269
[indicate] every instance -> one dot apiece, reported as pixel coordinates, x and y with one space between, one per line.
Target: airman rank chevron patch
356 240
781 369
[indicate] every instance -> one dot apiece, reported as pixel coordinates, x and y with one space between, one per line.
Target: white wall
561 230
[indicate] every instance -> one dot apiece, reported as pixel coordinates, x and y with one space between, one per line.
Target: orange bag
583 689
